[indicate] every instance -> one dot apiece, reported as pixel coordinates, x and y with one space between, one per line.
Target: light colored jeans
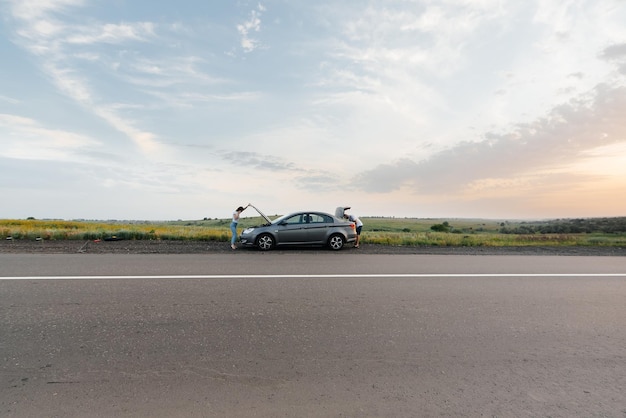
233 229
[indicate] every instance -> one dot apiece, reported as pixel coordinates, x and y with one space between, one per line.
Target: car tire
336 242
265 242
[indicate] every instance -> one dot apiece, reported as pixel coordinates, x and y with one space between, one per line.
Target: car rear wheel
265 242
336 242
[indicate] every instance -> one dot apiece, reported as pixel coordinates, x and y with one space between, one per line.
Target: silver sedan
301 228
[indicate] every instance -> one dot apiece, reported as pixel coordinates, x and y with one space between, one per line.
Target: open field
386 231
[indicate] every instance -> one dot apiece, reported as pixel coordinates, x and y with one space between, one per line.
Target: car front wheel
336 242
265 242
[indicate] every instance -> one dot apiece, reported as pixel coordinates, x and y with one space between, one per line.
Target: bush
444 227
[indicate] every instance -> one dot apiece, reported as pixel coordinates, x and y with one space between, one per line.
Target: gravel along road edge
200 247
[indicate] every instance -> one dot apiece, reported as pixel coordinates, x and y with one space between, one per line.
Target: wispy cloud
180 72
111 33
429 38
28 139
35 9
251 25
50 39
9 99
318 182
253 160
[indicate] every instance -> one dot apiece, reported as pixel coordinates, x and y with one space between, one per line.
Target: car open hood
262 214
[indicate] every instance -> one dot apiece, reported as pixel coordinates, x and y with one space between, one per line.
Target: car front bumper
246 240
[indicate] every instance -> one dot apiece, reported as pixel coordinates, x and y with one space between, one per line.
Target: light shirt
353 218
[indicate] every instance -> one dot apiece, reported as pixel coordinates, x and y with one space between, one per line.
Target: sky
155 110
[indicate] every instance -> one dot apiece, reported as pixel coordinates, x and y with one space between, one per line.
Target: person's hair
240 208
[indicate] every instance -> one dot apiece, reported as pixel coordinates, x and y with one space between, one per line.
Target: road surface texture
311 333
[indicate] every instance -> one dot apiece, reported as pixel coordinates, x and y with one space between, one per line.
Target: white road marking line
311 276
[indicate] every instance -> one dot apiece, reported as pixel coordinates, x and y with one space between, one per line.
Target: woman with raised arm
233 225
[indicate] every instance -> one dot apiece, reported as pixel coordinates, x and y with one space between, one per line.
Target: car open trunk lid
339 212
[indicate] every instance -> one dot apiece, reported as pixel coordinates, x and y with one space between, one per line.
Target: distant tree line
568 226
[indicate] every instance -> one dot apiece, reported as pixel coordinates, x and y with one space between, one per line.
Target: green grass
447 239
87 230
388 231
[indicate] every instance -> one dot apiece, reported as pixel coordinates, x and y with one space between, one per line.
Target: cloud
111 33
8 99
189 99
27 139
428 37
51 40
177 81
256 161
614 52
617 55
253 24
318 182
75 86
35 9
529 151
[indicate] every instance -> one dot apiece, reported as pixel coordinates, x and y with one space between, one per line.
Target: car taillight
353 225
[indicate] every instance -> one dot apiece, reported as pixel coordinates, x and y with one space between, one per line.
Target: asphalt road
314 334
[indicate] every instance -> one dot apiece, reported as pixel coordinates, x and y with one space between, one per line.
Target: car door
291 230
316 227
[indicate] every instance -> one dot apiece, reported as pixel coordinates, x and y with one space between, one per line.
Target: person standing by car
233 225
359 226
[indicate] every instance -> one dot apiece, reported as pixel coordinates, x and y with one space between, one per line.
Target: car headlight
248 230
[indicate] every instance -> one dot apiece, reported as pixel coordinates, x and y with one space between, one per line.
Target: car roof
310 211
316 212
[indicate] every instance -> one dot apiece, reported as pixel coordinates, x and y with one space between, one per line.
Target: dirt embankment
200 247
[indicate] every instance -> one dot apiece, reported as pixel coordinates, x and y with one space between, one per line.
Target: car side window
318 219
297 219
